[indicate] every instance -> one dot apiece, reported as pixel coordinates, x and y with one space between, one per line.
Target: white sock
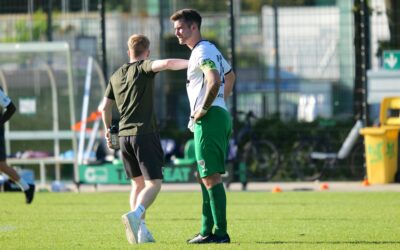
22 184
139 211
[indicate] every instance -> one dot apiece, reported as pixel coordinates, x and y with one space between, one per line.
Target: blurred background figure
28 189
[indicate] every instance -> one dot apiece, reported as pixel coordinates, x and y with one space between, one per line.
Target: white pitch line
7 228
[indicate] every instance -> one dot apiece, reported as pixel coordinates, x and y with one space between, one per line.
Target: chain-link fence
302 60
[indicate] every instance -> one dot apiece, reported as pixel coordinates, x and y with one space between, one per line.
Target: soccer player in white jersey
29 189
210 80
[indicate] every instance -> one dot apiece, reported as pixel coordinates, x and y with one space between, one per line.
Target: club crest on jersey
202 164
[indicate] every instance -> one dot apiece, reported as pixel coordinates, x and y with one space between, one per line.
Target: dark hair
189 16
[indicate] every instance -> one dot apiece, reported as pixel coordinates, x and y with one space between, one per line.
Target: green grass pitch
256 220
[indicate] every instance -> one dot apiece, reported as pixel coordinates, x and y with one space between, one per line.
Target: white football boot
144 236
132 224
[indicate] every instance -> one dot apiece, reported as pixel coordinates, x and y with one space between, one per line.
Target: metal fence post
362 55
101 8
232 58
365 55
49 10
277 59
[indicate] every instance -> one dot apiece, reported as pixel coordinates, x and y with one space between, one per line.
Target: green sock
218 208
207 222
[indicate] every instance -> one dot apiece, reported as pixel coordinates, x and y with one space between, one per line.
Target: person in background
28 189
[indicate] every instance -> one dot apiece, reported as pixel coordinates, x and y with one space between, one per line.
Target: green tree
256 5
393 14
119 5
25 33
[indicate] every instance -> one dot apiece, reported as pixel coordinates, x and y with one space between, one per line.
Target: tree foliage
221 6
24 32
255 6
393 14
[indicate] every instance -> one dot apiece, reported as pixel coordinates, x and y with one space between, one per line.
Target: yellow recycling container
381 153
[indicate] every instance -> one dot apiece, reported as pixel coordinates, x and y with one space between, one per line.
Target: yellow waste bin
381 153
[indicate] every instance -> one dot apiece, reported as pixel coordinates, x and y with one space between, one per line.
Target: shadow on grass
177 219
355 242
303 219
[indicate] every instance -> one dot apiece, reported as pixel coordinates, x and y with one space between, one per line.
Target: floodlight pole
277 59
365 63
161 78
49 20
101 7
232 57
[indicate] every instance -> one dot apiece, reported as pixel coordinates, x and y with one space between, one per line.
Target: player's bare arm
10 110
229 82
169 64
213 83
106 114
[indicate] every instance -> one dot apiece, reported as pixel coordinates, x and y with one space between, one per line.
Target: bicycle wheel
305 167
356 162
261 159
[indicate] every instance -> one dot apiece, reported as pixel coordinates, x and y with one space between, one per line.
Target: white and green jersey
205 56
4 99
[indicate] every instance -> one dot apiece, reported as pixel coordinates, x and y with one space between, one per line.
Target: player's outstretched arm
10 110
169 64
229 82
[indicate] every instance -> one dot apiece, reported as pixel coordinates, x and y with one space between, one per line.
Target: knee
212 180
137 186
154 184
140 187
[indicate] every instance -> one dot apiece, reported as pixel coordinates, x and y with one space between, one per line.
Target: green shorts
211 136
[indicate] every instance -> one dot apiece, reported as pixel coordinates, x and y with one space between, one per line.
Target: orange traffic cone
276 189
324 186
365 183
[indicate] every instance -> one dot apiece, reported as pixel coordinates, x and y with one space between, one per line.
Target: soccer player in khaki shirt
131 89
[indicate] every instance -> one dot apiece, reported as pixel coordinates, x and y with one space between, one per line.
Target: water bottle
114 137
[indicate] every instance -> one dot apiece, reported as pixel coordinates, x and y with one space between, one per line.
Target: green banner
115 174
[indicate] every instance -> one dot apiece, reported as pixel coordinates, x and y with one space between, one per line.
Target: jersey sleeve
205 59
226 65
4 99
109 91
146 66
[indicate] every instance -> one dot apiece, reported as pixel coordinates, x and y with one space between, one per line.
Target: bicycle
313 156
253 159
